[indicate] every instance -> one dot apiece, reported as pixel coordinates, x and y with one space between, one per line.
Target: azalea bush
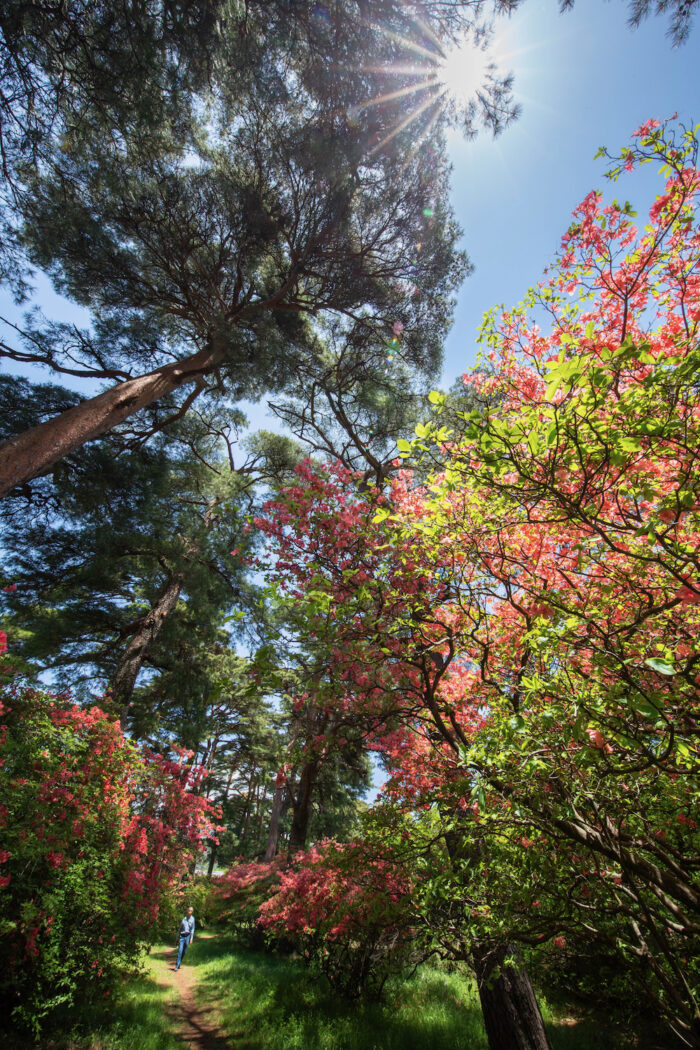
347 909
96 835
238 895
572 500
569 506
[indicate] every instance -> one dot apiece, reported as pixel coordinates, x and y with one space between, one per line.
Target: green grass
268 1003
263 1002
136 1019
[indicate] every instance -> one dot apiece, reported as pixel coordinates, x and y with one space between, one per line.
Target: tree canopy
214 641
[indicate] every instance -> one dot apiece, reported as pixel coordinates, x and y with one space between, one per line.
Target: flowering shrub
239 894
95 834
348 911
517 631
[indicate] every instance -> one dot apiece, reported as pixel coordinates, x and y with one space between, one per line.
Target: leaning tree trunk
35 451
301 806
512 1017
147 628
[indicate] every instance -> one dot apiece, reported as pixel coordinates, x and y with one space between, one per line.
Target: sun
462 71
461 83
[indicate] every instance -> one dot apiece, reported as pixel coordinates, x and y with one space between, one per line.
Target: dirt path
196 1025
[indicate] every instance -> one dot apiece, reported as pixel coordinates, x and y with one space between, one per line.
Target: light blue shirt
186 925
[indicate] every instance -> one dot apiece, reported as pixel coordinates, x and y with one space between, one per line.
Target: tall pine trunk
277 803
124 678
34 452
301 807
512 1017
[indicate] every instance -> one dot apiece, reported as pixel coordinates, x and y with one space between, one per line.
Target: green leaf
552 389
660 666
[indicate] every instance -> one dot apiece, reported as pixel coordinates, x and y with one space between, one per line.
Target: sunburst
450 82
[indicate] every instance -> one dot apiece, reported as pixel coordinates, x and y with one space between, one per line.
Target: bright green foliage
519 628
570 505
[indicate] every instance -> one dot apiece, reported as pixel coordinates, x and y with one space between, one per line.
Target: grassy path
195 1025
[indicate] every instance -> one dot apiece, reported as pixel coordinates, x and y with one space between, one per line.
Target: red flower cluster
96 835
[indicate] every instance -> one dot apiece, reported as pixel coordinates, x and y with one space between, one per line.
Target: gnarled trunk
512 1017
34 452
147 628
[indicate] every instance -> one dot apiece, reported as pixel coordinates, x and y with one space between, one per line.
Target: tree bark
301 806
274 832
248 806
512 1017
35 451
124 678
260 810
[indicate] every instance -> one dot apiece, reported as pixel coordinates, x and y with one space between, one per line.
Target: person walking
186 935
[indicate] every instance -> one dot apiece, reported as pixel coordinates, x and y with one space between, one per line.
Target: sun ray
392 70
413 115
400 93
440 77
422 139
427 31
412 45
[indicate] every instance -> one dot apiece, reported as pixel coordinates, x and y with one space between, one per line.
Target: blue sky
584 79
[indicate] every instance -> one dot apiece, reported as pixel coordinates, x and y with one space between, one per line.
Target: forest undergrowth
271 1002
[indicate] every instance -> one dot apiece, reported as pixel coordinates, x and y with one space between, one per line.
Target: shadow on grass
269 1003
584 1035
134 1018
592 1035
273 1003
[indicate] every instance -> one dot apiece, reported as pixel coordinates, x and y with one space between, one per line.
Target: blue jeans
182 948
